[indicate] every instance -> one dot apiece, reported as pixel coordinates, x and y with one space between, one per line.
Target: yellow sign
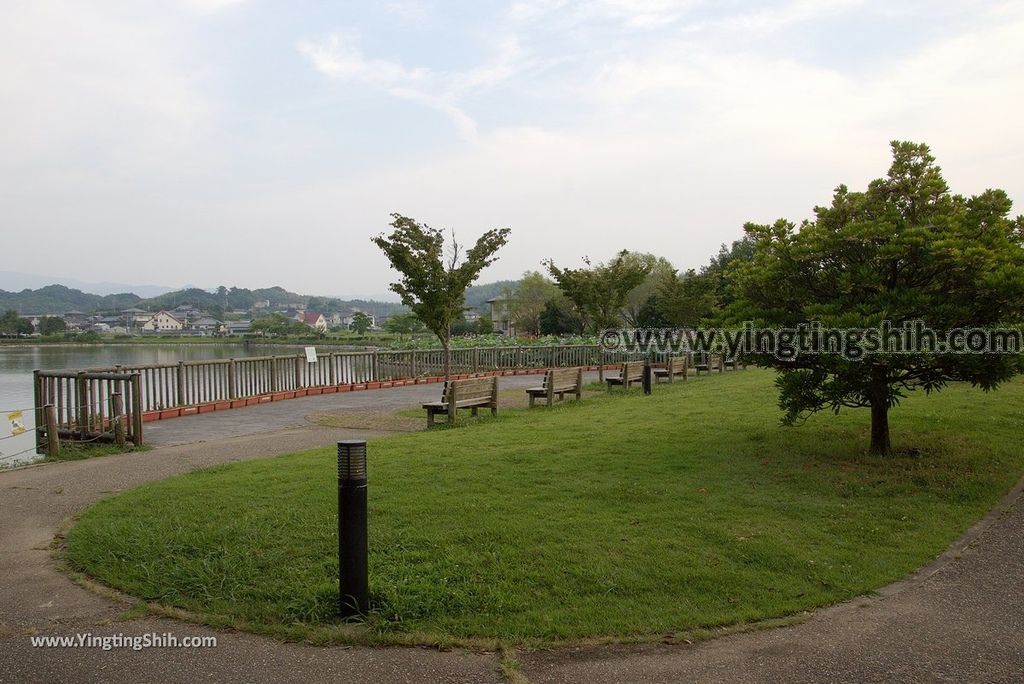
17 423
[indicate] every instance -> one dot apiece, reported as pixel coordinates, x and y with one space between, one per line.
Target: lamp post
352 547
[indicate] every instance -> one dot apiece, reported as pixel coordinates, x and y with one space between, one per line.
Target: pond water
18 361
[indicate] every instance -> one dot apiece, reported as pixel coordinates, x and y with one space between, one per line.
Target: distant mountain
16 282
55 299
59 299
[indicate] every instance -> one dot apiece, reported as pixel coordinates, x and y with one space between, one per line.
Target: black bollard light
352 548
647 375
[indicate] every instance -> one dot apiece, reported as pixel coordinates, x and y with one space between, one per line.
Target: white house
163 321
207 324
314 320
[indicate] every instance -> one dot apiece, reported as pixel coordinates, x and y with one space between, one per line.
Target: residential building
314 320
163 321
239 327
134 317
207 324
501 316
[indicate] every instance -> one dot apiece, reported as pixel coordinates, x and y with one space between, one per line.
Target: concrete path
291 413
961 619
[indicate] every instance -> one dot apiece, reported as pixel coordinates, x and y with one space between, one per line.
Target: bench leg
531 401
494 410
473 412
430 417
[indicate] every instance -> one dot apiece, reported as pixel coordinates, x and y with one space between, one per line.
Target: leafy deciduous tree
51 325
404 324
658 268
433 285
528 299
13 324
360 322
687 299
599 292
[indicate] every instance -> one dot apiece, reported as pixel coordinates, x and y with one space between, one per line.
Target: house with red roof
313 320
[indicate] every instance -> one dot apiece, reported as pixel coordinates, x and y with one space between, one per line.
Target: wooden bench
736 363
707 362
701 362
676 365
472 393
631 371
560 381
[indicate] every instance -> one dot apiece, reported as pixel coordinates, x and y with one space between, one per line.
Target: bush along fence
85 407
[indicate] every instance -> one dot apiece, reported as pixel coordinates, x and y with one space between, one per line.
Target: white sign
311 354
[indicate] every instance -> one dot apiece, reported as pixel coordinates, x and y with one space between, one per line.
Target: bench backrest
632 370
563 377
676 364
469 389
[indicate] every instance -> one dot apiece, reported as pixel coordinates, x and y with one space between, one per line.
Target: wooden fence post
136 385
82 392
299 358
273 373
181 383
332 373
37 398
600 364
376 368
232 380
52 436
117 417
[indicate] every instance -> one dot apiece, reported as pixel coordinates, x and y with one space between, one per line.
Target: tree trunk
880 445
447 358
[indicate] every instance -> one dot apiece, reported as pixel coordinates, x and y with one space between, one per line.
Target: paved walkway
960 620
292 413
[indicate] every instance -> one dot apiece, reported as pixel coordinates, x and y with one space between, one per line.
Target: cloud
412 11
340 57
74 78
210 6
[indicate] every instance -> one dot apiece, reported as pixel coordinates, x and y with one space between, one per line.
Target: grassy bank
623 516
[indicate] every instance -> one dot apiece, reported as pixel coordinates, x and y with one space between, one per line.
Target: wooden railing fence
87 406
83 399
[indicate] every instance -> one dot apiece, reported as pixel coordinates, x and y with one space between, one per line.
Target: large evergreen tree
903 250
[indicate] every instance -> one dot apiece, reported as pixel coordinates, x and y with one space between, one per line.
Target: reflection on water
18 361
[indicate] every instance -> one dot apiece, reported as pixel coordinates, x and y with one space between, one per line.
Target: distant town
224 312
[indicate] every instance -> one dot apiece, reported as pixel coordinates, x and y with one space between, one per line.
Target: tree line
904 249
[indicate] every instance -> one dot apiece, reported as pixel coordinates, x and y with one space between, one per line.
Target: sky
253 143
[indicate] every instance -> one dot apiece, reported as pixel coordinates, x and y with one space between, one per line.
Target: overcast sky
252 143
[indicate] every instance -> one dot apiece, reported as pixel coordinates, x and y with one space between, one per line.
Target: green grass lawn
621 516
